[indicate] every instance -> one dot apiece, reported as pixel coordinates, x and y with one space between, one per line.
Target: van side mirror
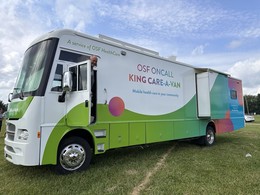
66 85
10 97
67 81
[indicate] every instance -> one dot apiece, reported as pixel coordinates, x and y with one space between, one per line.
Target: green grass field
165 168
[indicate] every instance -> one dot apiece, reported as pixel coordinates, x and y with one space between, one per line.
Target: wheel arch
59 134
211 124
83 133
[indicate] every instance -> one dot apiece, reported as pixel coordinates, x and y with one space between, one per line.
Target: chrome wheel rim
210 137
72 157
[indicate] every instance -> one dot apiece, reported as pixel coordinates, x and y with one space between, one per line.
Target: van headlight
23 134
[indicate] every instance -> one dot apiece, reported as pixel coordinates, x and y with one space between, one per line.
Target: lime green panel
118 135
50 152
100 140
17 109
78 116
186 129
190 110
219 97
159 131
203 126
124 130
137 133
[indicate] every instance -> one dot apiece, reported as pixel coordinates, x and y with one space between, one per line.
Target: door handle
105 92
86 103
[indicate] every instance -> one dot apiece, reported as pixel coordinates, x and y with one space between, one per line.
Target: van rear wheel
74 154
208 139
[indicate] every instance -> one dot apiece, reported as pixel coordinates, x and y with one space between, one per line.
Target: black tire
74 154
210 137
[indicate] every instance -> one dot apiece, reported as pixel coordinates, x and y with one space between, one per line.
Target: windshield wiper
21 96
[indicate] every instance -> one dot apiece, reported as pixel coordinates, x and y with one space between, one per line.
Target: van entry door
203 94
78 101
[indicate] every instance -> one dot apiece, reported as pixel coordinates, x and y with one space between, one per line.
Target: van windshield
33 77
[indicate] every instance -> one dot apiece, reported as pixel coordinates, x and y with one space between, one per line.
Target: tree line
252 104
3 105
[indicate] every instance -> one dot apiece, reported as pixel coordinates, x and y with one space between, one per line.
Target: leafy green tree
251 104
258 104
3 106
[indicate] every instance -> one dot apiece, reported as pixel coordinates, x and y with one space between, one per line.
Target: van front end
22 141
25 111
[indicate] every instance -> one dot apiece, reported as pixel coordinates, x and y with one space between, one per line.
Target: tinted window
72 57
34 74
57 81
73 70
82 77
79 77
233 94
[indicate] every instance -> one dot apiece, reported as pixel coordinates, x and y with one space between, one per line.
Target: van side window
74 71
57 81
82 77
72 57
233 94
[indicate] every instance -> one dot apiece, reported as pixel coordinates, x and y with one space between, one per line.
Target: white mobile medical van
63 111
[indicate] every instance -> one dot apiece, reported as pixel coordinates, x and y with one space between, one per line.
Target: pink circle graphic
116 106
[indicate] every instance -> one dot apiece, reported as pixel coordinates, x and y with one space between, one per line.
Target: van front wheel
74 154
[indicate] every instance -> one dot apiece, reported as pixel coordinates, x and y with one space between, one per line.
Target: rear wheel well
211 124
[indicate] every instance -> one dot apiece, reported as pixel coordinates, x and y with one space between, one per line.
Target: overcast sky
219 34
